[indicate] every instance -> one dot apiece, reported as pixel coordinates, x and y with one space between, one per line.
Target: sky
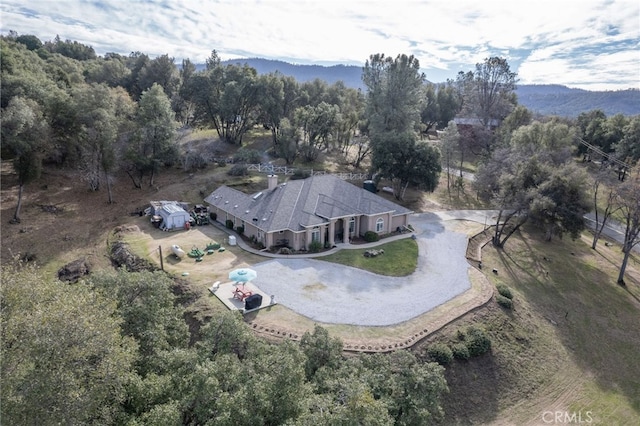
587 44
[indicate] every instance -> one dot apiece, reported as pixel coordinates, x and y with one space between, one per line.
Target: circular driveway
331 293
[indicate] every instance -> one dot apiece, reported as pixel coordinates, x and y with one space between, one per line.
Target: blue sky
589 44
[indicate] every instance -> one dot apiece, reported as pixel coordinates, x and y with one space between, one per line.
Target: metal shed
174 216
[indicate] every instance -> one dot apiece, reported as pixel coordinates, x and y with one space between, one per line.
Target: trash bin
232 240
252 302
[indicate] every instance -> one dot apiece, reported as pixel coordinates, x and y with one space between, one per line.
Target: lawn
400 258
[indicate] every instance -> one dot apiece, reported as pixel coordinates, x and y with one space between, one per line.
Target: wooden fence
285 170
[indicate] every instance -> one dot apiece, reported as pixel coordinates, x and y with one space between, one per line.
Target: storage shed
173 214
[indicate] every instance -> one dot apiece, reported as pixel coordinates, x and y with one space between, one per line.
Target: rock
73 271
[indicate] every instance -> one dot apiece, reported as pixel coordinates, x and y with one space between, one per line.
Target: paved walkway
337 294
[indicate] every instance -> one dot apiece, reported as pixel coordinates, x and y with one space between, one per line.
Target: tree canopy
394 102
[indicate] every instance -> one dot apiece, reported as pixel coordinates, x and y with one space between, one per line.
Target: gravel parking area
337 294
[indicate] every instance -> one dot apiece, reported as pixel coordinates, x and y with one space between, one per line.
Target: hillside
546 99
542 356
560 100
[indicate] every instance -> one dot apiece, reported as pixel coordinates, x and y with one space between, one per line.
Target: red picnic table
241 293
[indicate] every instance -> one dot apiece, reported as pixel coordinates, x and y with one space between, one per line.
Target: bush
460 351
505 302
229 224
247 156
477 341
238 170
371 237
504 291
440 353
240 230
213 216
193 161
300 174
315 246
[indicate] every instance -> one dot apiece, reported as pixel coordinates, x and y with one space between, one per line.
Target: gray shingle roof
297 204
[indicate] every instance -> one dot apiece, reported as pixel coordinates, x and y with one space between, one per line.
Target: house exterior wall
397 221
390 223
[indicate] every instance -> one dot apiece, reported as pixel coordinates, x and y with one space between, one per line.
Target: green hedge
460 351
477 341
440 353
371 237
315 246
504 291
505 302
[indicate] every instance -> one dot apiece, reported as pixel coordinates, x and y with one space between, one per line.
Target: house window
352 225
315 235
379 224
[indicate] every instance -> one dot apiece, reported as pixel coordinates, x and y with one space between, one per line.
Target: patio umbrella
242 275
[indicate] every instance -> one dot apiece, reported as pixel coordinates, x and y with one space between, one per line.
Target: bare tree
629 199
610 206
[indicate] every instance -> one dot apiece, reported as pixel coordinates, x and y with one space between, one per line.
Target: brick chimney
272 181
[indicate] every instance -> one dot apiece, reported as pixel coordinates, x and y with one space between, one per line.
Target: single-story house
173 214
296 213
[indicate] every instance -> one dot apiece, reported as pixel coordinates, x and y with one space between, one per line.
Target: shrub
240 230
460 351
193 161
504 291
505 302
440 353
213 216
247 156
238 170
315 246
300 174
222 163
371 236
477 341
229 224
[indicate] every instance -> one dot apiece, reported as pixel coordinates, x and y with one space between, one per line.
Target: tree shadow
592 315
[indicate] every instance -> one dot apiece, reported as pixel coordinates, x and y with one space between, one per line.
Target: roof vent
255 197
226 202
246 211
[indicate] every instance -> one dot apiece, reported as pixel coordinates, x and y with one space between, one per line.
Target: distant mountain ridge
350 75
545 99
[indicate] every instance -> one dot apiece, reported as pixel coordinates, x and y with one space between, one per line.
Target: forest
114 348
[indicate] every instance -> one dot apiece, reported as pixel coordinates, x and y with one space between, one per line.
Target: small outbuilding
174 215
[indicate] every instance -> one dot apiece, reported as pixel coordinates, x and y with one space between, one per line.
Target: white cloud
444 35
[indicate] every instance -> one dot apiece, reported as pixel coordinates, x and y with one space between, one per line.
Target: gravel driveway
337 294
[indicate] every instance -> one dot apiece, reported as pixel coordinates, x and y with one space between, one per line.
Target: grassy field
571 343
